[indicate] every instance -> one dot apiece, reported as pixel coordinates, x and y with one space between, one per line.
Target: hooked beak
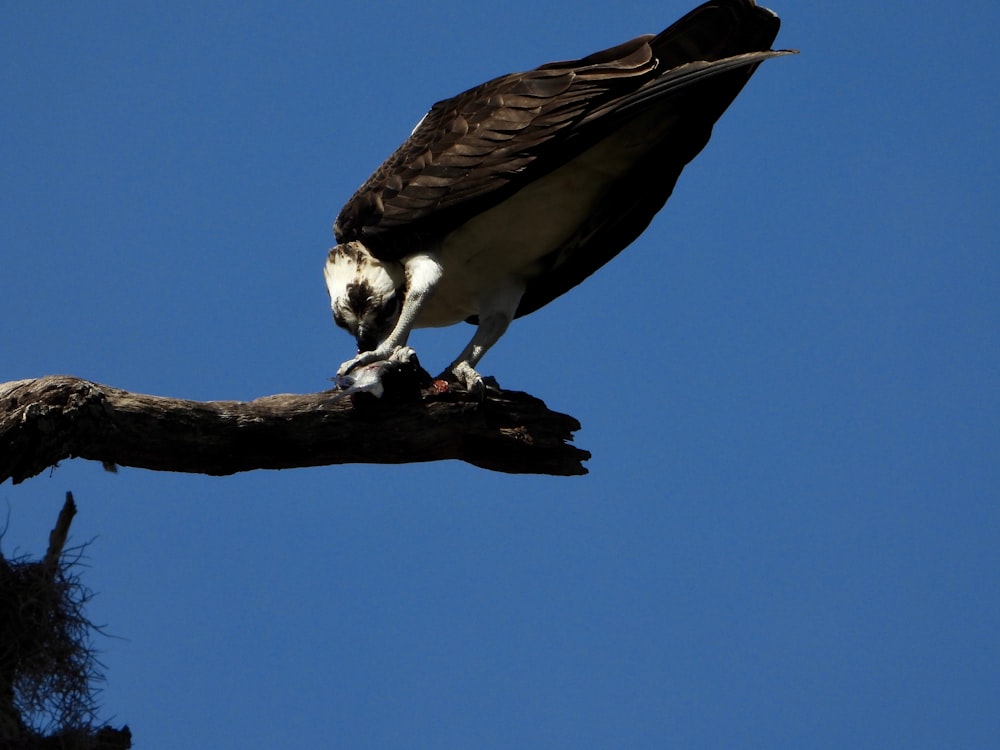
367 339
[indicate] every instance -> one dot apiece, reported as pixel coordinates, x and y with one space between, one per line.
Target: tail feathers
715 30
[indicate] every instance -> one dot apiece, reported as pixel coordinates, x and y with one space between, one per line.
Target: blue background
790 385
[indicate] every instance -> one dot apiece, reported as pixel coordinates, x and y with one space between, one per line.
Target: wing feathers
685 76
472 151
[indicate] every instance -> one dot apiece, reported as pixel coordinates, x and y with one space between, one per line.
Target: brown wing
476 144
472 151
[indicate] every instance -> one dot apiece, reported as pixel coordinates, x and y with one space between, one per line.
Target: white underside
499 249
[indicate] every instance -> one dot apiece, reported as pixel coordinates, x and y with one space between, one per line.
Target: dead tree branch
59 534
46 420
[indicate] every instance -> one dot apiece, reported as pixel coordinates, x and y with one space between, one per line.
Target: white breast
510 238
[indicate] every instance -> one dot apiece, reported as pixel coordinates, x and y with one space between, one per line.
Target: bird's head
366 294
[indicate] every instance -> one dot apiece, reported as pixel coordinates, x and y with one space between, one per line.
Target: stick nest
48 666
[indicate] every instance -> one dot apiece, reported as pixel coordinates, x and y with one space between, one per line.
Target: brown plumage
625 121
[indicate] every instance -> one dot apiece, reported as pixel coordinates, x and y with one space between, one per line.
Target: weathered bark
46 420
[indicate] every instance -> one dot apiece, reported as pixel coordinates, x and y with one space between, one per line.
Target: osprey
509 194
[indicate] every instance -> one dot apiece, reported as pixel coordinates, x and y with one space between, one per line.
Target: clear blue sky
790 535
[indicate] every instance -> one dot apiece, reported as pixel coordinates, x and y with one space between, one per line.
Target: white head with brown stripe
366 294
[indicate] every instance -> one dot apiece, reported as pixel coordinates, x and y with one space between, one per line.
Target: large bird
509 194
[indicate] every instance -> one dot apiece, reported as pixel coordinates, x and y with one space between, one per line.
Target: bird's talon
466 378
346 368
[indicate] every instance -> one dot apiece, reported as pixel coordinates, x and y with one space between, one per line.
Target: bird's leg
423 271
463 369
496 312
